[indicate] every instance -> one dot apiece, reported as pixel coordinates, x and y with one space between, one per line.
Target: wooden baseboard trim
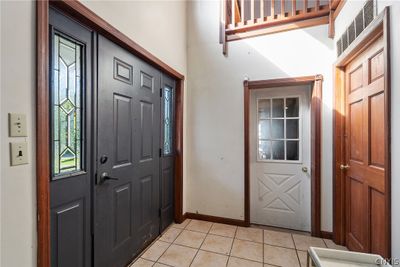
215 219
326 235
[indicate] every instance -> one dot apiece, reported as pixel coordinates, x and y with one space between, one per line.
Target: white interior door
280 178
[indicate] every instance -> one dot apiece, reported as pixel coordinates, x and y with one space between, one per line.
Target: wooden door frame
84 15
380 26
316 109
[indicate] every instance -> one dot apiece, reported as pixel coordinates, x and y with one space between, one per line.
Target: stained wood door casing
366 196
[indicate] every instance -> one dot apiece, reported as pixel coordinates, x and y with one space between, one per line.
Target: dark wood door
367 216
128 161
167 151
70 105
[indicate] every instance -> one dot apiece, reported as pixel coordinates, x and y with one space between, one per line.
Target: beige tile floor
200 243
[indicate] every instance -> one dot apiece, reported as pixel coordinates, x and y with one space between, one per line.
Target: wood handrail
324 11
244 17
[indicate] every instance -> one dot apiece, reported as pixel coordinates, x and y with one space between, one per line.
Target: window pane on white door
292 150
292 107
264 150
277 108
292 129
264 131
264 108
278 150
277 129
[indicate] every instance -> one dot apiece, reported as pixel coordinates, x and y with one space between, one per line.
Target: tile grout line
297 253
197 252
233 241
263 246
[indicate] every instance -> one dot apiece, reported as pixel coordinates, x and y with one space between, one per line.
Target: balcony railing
246 18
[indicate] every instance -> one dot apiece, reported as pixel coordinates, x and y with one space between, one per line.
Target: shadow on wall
216 134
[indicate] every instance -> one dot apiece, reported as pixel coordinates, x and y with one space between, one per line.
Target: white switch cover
19 153
17 124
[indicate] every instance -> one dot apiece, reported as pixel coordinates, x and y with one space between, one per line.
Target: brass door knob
344 167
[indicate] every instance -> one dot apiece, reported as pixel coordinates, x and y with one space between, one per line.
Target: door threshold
280 229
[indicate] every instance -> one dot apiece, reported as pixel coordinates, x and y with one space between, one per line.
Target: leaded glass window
168 111
66 91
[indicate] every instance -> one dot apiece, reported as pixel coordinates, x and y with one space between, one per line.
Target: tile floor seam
263 247
279 246
233 241
197 252
297 254
249 241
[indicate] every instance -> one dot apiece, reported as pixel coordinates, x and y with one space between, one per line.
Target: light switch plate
17 124
19 153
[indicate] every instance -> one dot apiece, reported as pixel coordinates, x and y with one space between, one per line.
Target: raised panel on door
123 130
71 135
122 199
68 234
356 131
378 223
377 123
356 222
146 131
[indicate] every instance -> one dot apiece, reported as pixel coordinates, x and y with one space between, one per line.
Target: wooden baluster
252 7
242 12
261 10
316 5
282 8
294 8
273 9
305 7
233 18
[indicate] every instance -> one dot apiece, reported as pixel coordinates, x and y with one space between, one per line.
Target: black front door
70 124
126 204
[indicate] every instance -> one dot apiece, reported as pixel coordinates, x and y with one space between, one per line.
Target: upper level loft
247 18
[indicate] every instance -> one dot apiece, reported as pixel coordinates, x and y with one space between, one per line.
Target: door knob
304 169
104 177
344 167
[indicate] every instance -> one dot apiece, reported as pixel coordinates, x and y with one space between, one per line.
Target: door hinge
160 92
160 152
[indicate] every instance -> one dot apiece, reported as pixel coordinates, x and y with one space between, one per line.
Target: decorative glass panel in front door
67 106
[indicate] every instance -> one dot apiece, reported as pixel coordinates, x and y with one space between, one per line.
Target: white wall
215 105
158 26
350 9
18 187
